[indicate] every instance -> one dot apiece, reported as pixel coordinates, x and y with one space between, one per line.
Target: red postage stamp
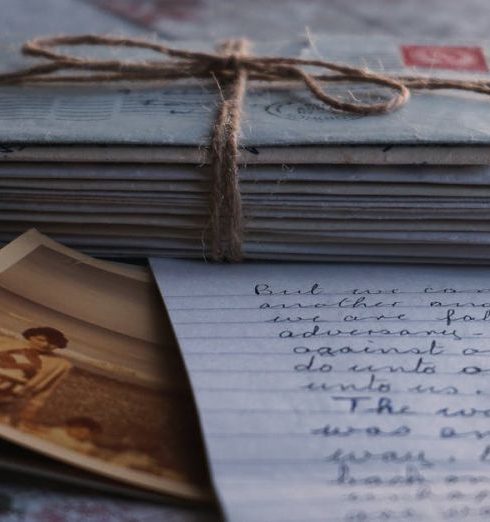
458 58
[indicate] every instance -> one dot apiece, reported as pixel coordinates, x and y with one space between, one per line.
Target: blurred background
258 19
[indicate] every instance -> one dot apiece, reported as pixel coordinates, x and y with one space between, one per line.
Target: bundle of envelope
121 170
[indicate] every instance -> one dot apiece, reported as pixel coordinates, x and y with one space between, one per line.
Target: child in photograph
80 434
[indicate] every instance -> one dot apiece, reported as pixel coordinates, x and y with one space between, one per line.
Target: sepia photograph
89 373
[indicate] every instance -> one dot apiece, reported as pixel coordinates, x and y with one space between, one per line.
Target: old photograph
89 373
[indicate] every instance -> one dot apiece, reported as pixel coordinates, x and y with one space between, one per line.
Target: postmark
308 111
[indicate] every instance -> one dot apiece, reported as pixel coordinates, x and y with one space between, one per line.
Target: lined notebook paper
339 392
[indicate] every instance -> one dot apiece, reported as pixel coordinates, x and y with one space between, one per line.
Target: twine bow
231 66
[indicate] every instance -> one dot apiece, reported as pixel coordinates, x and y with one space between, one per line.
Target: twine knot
231 66
227 63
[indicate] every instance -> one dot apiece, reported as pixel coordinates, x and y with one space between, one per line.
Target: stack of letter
121 170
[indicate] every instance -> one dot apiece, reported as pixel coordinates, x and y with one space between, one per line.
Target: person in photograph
76 433
29 374
80 434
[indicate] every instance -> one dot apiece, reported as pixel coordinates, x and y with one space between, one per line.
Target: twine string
226 205
231 67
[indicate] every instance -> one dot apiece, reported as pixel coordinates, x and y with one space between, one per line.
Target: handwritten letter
347 393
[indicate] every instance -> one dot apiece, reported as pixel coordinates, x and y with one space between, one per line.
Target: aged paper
145 123
339 392
89 373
